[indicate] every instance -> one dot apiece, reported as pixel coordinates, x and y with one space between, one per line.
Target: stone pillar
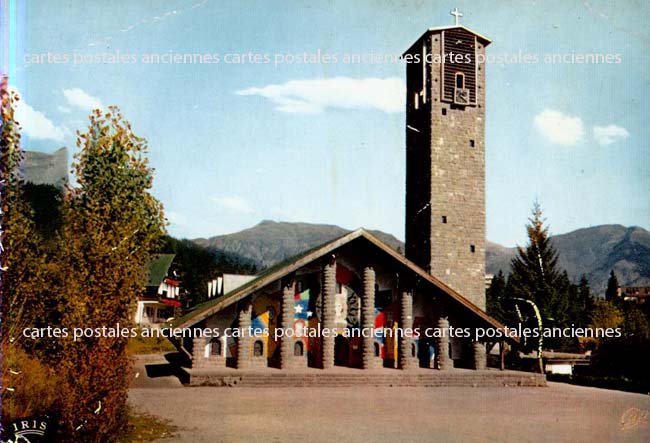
370 361
443 362
198 352
502 355
479 356
406 358
327 322
288 311
244 342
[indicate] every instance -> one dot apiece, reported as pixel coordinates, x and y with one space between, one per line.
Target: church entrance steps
342 377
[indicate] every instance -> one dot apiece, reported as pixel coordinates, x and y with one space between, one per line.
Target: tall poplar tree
110 224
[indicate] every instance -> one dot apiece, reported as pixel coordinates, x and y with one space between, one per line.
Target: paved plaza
558 413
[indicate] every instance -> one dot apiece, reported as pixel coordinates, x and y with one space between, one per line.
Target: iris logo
31 430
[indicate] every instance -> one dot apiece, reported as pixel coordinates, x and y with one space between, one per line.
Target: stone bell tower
445 157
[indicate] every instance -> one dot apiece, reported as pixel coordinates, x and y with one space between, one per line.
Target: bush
32 388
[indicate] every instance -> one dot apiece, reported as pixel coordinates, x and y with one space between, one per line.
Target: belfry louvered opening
459 66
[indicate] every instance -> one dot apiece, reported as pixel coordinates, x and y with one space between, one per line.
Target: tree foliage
495 296
536 276
619 357
611 293
23 269
605 314
584 303
110 225
84 270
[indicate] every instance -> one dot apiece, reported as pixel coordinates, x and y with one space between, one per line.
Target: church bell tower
445 157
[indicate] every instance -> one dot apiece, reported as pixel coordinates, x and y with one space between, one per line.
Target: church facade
330 297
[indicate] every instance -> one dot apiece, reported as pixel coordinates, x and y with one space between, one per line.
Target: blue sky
233 144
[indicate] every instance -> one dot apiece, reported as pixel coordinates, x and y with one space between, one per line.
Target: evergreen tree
611 294
585 301
534 272
536 276
579 303
494 297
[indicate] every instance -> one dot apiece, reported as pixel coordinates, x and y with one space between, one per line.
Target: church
357 283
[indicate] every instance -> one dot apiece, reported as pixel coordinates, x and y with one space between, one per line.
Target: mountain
42 168
593 251
271 242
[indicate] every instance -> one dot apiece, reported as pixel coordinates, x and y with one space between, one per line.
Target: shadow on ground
160 371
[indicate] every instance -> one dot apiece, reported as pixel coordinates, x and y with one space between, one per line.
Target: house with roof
637 294
162 296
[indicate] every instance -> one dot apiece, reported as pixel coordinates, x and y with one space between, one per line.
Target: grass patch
145 428
150 345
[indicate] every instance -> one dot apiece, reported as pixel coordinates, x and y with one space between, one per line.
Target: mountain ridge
592 251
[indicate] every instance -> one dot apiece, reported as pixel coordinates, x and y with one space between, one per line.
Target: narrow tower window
471 143
472 249
460 80
444 111
444 219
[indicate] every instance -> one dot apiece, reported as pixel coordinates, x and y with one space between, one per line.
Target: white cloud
234 204
64 109
35 124
606 135
81 99
312 96
560 128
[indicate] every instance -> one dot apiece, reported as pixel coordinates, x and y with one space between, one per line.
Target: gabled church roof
291 265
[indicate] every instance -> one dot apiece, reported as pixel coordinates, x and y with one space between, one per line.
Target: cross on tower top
456 15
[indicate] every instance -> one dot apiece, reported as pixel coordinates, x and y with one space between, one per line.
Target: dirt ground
559 413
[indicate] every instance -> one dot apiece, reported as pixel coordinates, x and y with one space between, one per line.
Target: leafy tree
636 323
45 202
110 224
23 272
619 357
611 293
605 314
